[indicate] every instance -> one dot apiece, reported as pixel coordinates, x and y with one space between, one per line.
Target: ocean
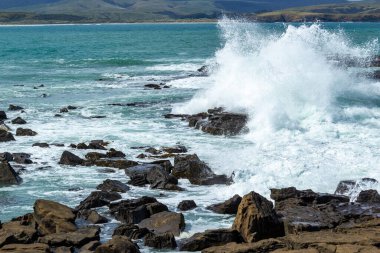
314 110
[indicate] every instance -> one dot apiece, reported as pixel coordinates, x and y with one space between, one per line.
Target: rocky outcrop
131 231
118 244
98 199
8 175
76 238
187 205
161 241
25 132
52 217
6 136
210 238
18 121
109 185
164 222
230 206
256 219
196 171
68 158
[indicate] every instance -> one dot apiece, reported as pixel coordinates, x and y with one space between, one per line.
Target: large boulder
164 222
5 136
8 175
256 219
210 238
52 217
76 238
230 206
92 216
98 199
25 132
162 241
186 205
369 196
26 248
131 231
133 211
109 185
68 158
196 171
18 121
118 244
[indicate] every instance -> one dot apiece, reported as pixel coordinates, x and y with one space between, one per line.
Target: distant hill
89 11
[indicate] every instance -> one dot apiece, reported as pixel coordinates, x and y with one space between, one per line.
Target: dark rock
112 153
173 116
41 145
76 238
152 151
22 158
204 69
98 117
119 164
19 121
6 156
186 205
158 178
92 216
70 107
15 108
369 196
142 170
3 115
141 156
69 158
228 207
25 132
256 219
118 244
350 187
175 150
8 175
93 156
113 186
82 146
197 172
153 86
344 187
138 180
164 222
4 127
131 231
58 115
162 241
99 142
98 199
75 189
166 164
225 124
6 136
64 110
52 217
89 247
64 249
210 238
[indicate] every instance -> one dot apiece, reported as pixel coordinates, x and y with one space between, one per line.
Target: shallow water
313 121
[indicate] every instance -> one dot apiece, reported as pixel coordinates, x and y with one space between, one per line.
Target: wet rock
140 170
92 216
152 151
20 230
225 124
112 153
41 145
93 156
263 246
22 158
18 121
173 116
204 70
138 180
131 231
230 206
58 115
210 238
119 164
113 186
76 238
256 219
141 156
350 187
92 145
6 156
134 211
164 222
8 175
26 248
4 127
166 164
64 110
89 247
153 86
6 136
369 196
175 150
3 115
15 108
70 107
158 178
68 158
118 244
98 199
52 217
187 205
162 241
25 132
196 171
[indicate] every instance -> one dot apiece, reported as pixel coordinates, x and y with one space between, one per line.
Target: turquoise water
313 122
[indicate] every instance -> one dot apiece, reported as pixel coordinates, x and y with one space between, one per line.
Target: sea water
314 117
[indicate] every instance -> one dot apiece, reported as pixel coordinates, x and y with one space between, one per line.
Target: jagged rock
119 164
3 115
26 248
131 231
256 219
69 158
76 238
93 156
225 124
98 199
196 171
175 150
41 145
52 217
22 158
6 136
210 238
92 216
113 186
186 205
230 206
113 153
158 178
118 244
135 210
25 132
163 241
21 230
369 196
15 108
164 222
263 246
19 121
349 187
8 175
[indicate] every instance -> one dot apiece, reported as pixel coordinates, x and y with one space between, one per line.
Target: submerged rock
22 158
15 108
8 175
